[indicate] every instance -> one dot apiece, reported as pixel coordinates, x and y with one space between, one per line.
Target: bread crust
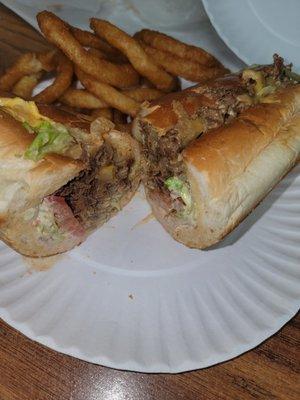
28 181
14 228
25 183
232 168
165 113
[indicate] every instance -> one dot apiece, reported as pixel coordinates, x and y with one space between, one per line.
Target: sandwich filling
166 175
62 220
96 193
49 137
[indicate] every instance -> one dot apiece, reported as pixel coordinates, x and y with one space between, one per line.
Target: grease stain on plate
144 221
41 264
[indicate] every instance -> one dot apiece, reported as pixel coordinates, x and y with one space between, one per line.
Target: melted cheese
22 110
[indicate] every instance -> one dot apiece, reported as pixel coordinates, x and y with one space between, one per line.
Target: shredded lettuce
28 127
180 188
45 222
50 138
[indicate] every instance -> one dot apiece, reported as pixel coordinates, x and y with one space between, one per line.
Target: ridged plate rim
159 368
184 362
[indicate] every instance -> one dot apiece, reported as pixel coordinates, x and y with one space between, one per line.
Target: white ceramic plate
256 29
132 298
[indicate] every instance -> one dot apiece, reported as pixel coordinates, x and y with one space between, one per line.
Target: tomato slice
64 217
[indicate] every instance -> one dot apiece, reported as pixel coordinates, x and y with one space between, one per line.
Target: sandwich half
61 176
214 151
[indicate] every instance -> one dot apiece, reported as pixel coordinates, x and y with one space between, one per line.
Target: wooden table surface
29 371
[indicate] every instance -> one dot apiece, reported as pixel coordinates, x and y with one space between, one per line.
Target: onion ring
135 54
89 39
48 60
24 87
26 64
109 94
58 33
164 42
81 98
142 94
187 69
61 83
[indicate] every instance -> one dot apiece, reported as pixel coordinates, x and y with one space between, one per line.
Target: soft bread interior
19 232
24 183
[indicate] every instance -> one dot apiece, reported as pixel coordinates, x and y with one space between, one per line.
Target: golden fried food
135 54
89 39
58 33
24 87
143 93
81 98
187 69
98 53
118 72
26 64
108 93
61 83
115 58
48 60
164 42
103 112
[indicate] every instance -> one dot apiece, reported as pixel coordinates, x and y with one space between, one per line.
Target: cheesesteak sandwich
61 176
214 151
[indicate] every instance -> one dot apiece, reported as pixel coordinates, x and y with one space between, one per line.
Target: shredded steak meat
163 153
92 199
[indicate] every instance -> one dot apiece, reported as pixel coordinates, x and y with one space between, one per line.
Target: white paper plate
256 29
132 298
